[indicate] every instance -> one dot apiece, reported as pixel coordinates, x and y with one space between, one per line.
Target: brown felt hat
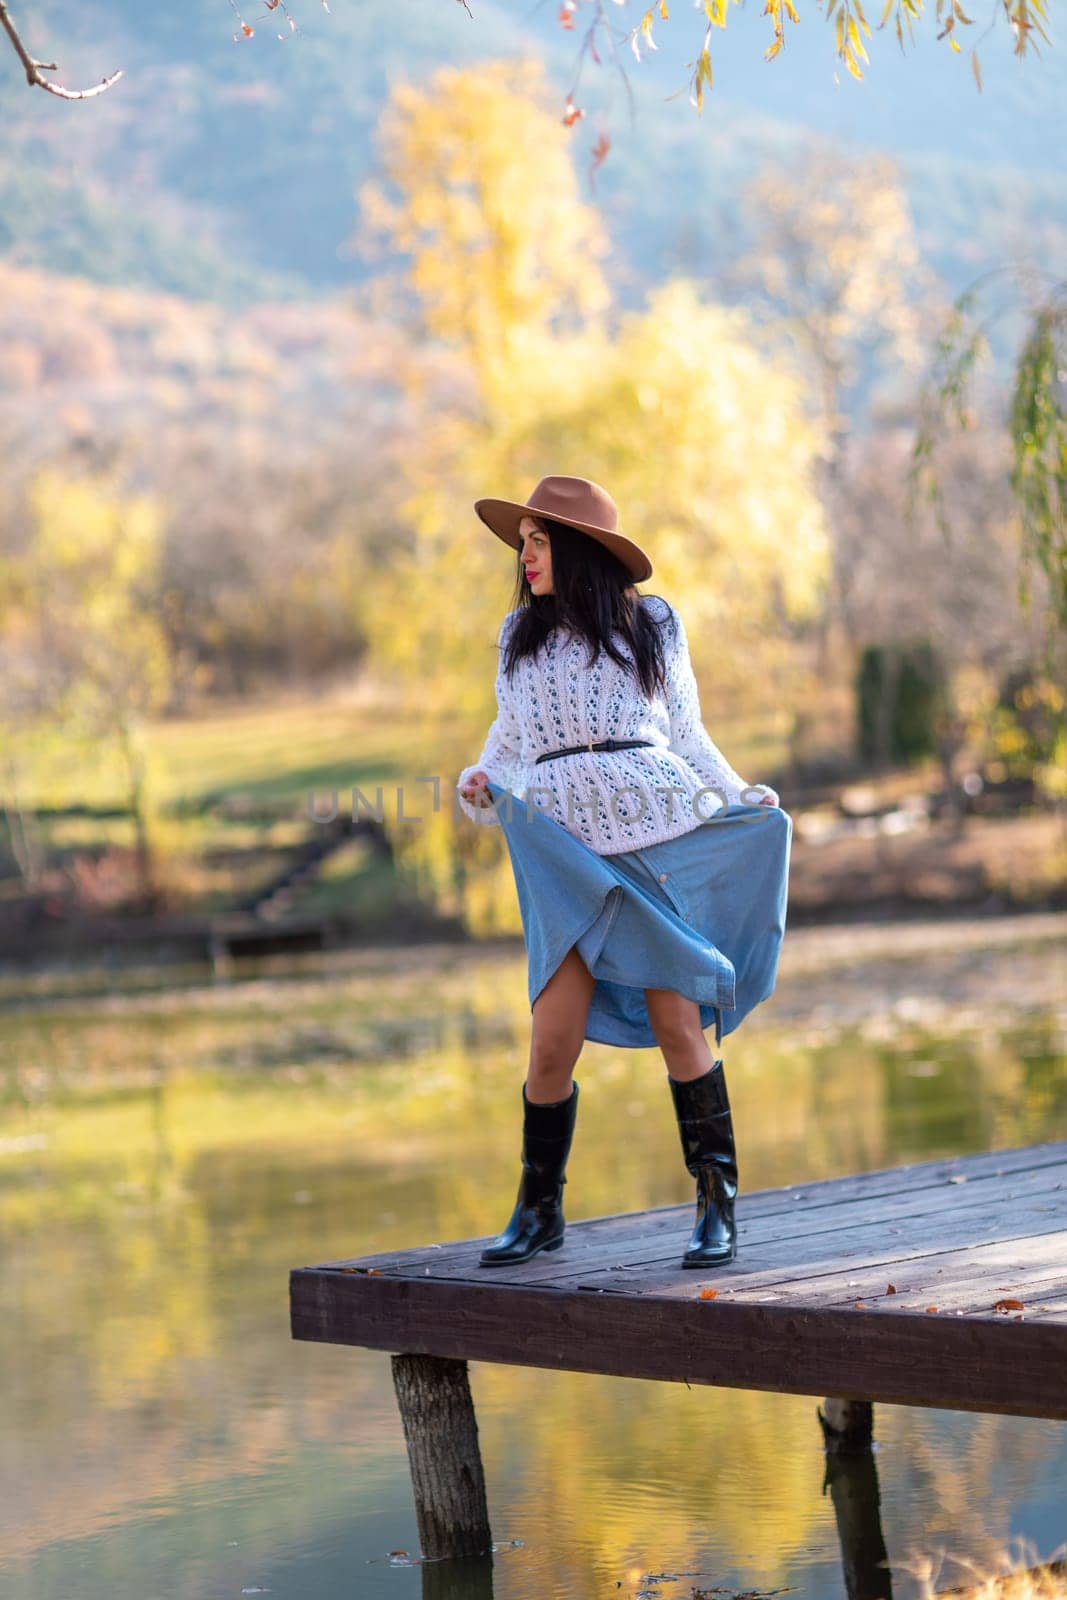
579 503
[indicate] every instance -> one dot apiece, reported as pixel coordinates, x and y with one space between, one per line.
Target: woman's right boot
537 1220
705 1122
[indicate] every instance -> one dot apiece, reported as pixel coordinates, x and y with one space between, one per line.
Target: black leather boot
537 1221
706 1128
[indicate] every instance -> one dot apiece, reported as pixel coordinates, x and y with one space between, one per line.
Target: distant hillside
227 172
215 169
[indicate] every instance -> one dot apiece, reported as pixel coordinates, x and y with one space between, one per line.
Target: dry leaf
931 1308
707 1294
1008 1305
890 1288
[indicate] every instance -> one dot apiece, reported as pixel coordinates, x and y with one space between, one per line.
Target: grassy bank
232 793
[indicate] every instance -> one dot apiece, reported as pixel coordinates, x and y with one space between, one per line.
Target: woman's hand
475 789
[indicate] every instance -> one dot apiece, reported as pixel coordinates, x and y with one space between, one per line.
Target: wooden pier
942 1283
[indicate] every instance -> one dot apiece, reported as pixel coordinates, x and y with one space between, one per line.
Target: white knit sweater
611 800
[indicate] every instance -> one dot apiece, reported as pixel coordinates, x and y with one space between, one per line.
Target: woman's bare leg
560 1013
676 1023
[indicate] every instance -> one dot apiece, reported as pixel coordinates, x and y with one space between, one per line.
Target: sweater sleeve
689 738
501 754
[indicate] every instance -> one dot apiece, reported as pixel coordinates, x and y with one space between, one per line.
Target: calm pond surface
169 1152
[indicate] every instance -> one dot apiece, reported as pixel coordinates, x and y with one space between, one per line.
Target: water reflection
853 1483
167 1155
852 1479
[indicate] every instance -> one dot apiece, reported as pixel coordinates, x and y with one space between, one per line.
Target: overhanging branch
34 69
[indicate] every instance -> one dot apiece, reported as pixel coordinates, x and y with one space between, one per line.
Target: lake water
170 1147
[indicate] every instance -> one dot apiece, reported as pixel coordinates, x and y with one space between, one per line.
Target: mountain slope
228 171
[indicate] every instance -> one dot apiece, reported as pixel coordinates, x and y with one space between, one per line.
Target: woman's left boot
706 1127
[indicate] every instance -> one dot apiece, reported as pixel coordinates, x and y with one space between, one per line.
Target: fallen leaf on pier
707 1294
860 1302
1008 1305
890 1288
931 1308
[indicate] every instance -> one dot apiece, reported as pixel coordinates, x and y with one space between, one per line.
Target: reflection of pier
852 1478
939 1284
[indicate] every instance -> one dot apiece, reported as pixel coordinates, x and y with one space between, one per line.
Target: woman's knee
675 1019
555 1047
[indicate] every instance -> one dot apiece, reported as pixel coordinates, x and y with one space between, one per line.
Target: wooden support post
852 1478
433 1393
847 1425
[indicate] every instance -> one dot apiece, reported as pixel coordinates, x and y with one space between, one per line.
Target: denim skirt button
663 877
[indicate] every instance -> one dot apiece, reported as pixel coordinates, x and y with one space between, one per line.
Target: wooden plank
939 1174
972 1278
985 1364
1050 1299
1054 1310
898 1226
971 1209
769 1263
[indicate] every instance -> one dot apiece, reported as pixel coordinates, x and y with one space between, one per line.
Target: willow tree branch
34 69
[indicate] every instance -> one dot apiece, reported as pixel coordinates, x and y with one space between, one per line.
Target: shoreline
838 970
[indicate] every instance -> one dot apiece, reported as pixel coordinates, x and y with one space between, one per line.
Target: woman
645 853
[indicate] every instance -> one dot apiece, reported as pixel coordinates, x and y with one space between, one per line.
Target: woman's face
536 556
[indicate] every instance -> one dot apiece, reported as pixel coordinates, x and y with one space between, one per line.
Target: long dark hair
594 596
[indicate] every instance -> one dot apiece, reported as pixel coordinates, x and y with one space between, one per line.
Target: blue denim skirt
702 914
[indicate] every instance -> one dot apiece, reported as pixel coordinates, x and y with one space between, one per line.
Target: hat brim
503 518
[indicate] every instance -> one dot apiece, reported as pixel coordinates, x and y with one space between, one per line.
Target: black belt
603 744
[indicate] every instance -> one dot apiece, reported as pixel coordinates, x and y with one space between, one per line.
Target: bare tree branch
34 68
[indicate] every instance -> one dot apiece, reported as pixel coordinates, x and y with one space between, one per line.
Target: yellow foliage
90 573
85 654
479 193
839 253
702 440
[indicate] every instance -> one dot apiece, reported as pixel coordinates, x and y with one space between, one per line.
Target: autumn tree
838 280
477 194
1036 428
703 441
83 648
836 263
958 602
